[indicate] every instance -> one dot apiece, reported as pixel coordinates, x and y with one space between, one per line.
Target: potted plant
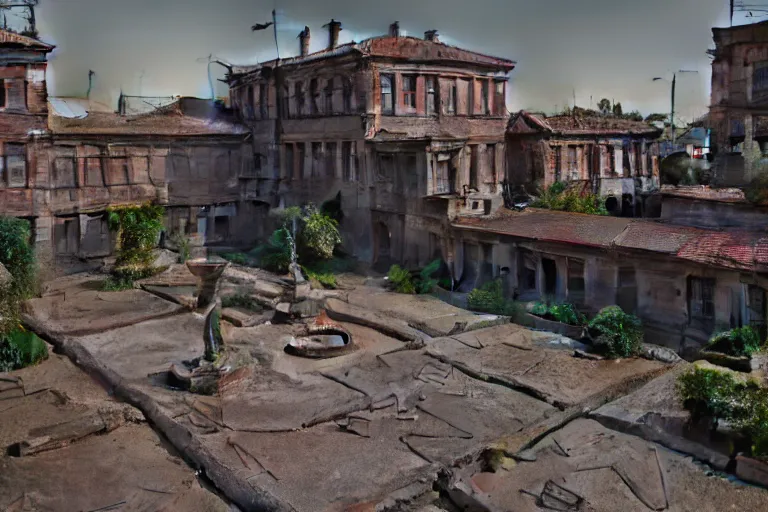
562 319
737 349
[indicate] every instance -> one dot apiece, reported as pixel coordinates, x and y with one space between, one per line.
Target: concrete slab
81 308
552 375
585 466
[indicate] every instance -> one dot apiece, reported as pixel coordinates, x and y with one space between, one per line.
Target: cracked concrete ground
129 467
379 427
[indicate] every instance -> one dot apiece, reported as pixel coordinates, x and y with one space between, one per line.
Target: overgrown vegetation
181 242
558 197
18 347
241 301
564 313
137 229
236 257
738 342
714 393
617 333
404 281
489 298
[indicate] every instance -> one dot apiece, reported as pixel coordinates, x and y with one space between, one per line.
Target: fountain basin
324 339
203 268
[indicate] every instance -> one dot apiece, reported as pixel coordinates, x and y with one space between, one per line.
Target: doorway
549 267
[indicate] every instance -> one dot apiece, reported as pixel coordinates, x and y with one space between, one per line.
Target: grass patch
20 348
489 298
738 342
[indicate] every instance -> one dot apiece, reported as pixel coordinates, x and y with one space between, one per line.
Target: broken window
756 305
330 159
558 161
573 164
760 77
263 101
299 93
527 275
450 103
347 92
499 102
576 284
484 92
701 302
317 151
473 161
346 160
409 92
386 95
313 93
431 94
16 165
329 96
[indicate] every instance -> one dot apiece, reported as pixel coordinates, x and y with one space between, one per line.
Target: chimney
431 35
304 41
394 29
334 27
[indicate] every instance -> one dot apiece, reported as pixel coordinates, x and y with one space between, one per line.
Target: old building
615 158
408 131
684 283
739 103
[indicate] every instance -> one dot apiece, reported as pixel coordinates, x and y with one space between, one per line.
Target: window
558 161
64 172
760 78
484 86
756 305
16 165
576 285
431 95
302 151
263 101
442 178
347 93
499 101
299 93
313 93
701 302
330 159
329 96
3 102
409 92
473 161
386 171
346 160
627 292
289 162
490 153
317 151
638 159
527 277
470 88
285 102
450 103
93 172
249 112
386 95
573 164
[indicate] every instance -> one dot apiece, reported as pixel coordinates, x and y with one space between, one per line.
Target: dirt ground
130 468
375 429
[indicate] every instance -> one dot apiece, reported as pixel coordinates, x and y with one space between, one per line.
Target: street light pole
672 112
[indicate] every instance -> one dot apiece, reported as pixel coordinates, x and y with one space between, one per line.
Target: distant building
409 131
615 158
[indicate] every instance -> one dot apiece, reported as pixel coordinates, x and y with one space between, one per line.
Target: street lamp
672 113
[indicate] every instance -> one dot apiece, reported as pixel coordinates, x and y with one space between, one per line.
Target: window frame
431 93
451 105
298 92
21 153
314 108
328 95
408 92
387 94
701 299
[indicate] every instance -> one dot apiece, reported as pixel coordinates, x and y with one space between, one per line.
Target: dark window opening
313 93
527 275
329 96
627 293
386 171
549 267
16 165
473 161
558 161
317 150
701 303
302 151
499 102
756 305
431 94
290 163
263 101
470 85
347 93
346 160
760 78
3 95
409 91
285 102
576 282
386 95
490 151
330 159
299 92
484 103
450 104
249 110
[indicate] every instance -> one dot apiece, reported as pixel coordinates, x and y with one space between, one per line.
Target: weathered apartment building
408 131
739 103
63 172
617 159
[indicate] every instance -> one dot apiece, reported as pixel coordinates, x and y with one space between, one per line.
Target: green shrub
137 230
123 278
327 279
564 313
117 284
489 298
18 256
620 333
426 282
20 348
741 341
318 237
558 197
236 257
400 280
275 255
241 301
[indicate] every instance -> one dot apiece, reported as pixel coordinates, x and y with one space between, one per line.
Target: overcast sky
597 48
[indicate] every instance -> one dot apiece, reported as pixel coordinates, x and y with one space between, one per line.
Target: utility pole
672 114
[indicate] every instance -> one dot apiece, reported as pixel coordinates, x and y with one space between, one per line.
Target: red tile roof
584 124
732 250
170 121
550 226
656 237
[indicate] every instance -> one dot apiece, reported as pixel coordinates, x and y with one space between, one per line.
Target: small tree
617 110
137 229
604 106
